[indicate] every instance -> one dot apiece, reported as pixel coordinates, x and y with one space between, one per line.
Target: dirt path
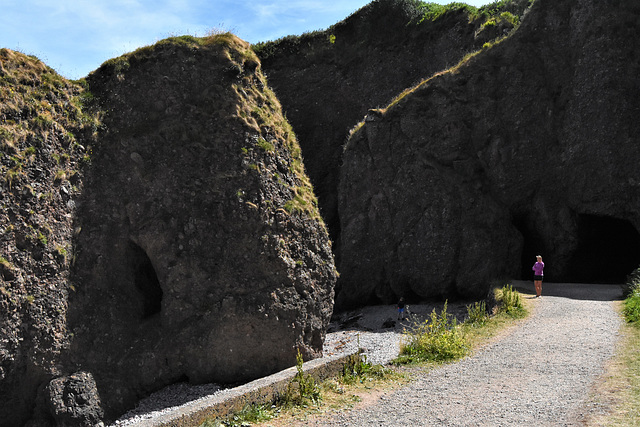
538 374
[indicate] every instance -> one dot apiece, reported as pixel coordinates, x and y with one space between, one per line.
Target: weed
307 391
436 339
357 368
510 302
631 308
266 145
5 263
477 314
248 415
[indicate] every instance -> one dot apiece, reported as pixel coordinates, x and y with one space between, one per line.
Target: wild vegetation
619 388
304 395
438 339
441 338
416 12
632 302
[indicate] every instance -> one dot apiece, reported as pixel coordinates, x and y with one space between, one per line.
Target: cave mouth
145 280
608 250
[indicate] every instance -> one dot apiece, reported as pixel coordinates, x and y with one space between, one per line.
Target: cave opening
145 280
532 245
608 250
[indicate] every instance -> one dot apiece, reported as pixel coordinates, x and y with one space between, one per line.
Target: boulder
74 401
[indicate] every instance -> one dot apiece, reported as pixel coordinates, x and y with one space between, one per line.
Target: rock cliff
183 244
43 147
328 80
529 146
201 254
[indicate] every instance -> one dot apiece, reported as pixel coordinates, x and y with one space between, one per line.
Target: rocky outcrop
201 255
43 138
181 242
529 146
328 80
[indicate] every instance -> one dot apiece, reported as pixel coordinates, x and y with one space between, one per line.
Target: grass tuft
631 308
436 339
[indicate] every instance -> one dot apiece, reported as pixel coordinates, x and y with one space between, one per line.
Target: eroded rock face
43 139
513 152
327 80
201 254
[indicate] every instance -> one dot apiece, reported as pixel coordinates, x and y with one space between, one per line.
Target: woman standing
538 268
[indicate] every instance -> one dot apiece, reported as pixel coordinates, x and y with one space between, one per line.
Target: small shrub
510 302
436 339
306 391
477 314
631 308
249 415
357 368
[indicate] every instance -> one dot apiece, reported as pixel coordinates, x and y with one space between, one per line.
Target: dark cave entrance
533 244
608 250
145 280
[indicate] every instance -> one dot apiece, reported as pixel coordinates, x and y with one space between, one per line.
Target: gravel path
539 374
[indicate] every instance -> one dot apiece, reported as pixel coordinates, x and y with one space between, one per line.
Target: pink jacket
537 268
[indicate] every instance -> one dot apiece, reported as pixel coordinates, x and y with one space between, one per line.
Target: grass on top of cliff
39 106
504 14
413 13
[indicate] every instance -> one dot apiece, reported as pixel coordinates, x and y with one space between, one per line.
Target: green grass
618 390
631 309
627 411
440 338
436 339
510 302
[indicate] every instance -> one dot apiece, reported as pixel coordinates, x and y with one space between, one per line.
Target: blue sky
75 36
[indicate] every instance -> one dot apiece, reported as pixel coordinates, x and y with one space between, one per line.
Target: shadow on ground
579 291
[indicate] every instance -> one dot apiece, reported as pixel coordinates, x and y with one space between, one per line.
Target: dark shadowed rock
201 254
528 147
74 401
328 80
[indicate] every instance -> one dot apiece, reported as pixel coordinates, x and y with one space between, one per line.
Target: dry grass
617 392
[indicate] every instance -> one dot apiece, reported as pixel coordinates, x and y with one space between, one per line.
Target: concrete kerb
260 391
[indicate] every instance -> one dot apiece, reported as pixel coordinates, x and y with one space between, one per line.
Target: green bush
357 368
436 339
631 309
477 314
510 302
